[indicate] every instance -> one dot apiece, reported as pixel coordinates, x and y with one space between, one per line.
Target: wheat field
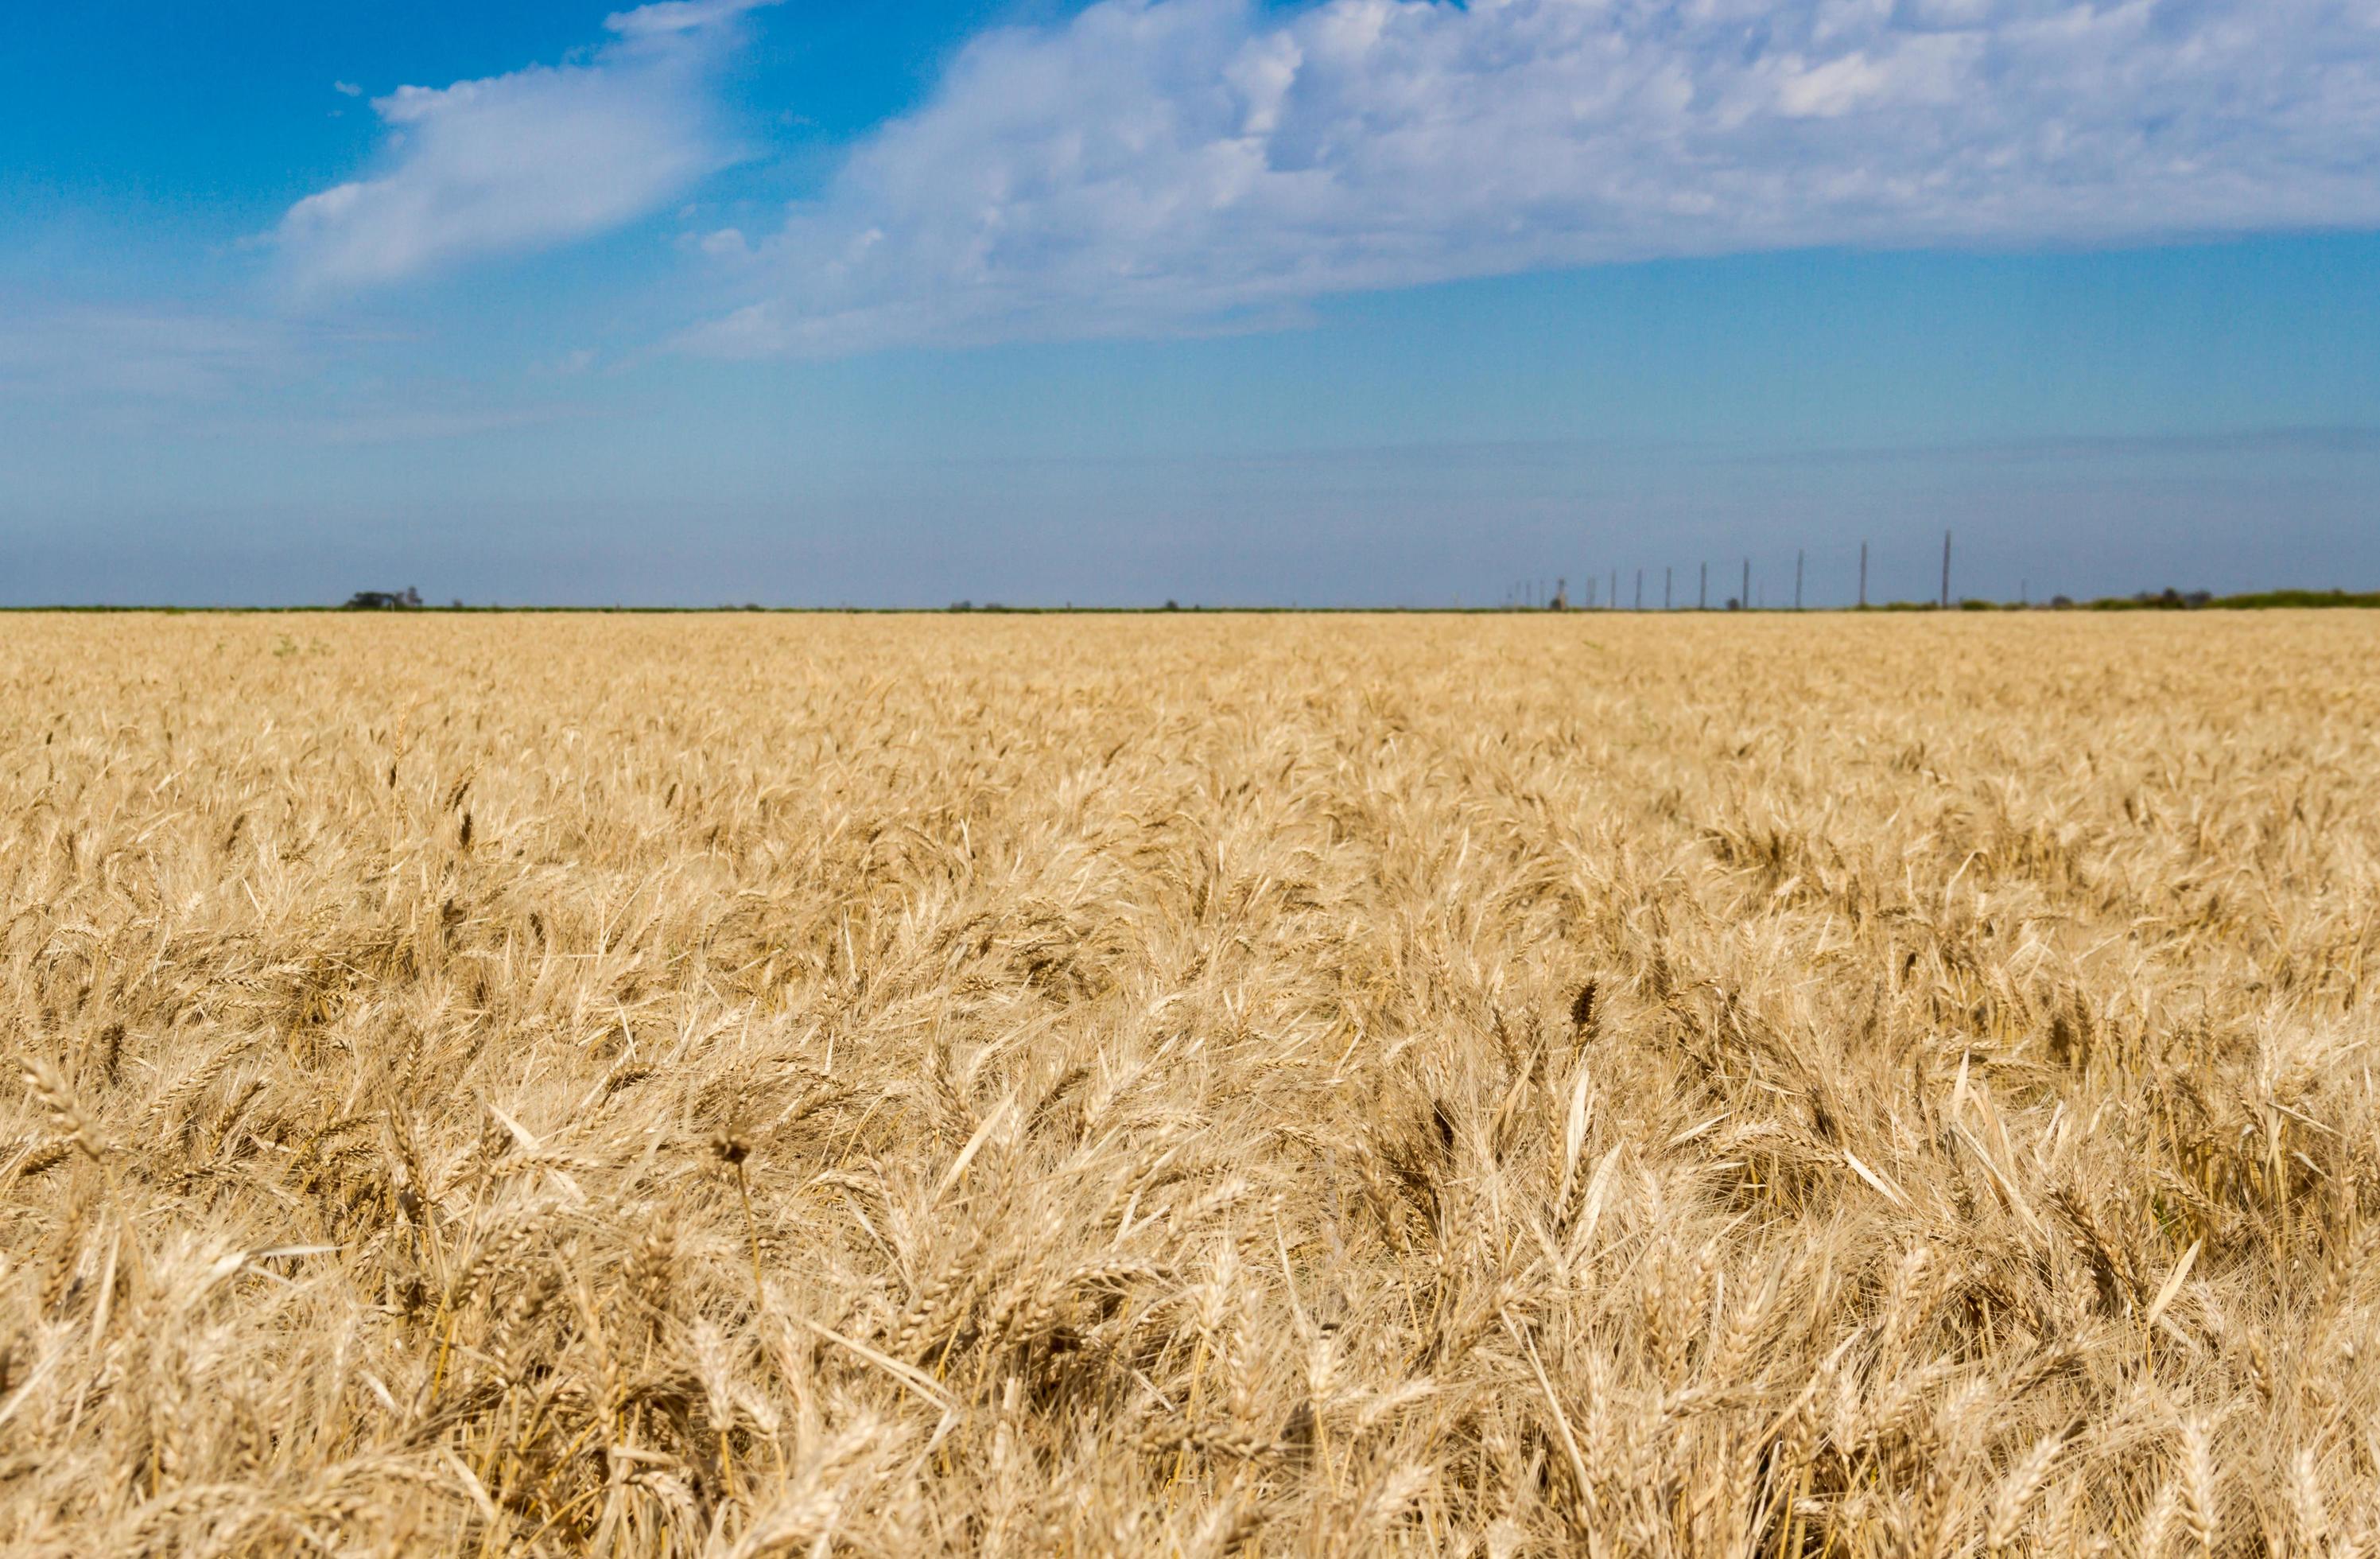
1495 1085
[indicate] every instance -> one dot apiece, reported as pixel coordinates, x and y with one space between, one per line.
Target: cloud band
1172 164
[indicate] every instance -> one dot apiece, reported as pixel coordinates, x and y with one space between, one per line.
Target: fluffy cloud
522 161
1169 164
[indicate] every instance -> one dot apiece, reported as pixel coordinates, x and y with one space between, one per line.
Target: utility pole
1746 596
1639 590
1664 589
1612 600
1863 575
1797 579
1946 570
1702 602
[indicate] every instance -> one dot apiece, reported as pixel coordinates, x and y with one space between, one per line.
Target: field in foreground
1083 1086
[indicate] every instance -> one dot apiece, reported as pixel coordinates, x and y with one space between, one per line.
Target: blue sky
1375 301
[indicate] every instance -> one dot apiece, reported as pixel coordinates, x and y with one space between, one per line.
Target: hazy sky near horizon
1384 301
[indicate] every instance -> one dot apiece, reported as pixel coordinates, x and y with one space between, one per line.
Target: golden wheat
735 1085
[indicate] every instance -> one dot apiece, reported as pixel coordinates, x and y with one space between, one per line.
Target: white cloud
1155 165
678 16
346 89
526 160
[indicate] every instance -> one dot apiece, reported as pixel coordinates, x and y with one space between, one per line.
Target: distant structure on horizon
384 600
